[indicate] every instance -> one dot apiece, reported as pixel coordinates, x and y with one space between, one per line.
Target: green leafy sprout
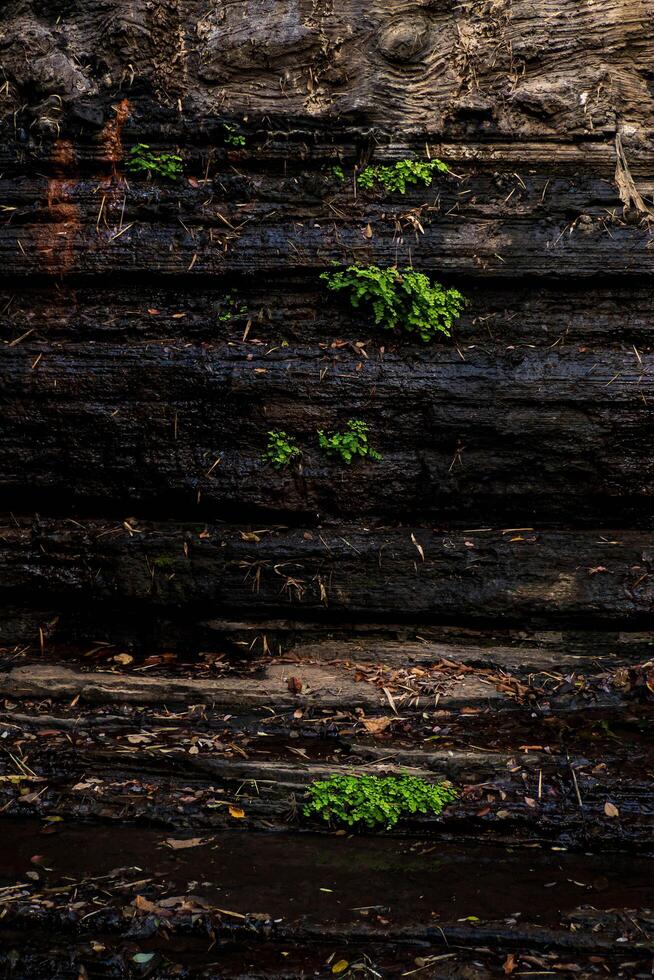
398 176
164 561
231 136
141 159
353 442
400 298
337 173
374 801
233 307
280 451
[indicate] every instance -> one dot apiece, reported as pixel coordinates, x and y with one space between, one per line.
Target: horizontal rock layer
181 427
518 575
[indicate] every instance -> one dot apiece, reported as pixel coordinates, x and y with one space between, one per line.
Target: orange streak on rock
111 137
55 239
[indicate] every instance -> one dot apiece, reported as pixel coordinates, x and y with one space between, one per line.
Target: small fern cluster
141 159
405 299
232 307
231 136
373 801
353 442
398 176
337 173
281 451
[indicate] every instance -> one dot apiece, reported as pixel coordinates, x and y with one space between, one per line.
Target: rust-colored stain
56 236
64 155
111 187
111 137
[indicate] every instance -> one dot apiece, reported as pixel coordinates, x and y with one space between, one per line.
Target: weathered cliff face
495 563
155 329
493 68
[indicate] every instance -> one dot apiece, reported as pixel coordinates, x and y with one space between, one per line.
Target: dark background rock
156 330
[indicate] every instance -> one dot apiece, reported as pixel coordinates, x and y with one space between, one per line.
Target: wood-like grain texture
546 68
516 435
156 330
512 576
499 225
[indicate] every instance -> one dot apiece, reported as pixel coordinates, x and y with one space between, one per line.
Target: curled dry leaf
377 725
611 810
144 904
124 659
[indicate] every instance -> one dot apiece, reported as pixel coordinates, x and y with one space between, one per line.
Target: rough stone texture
320 686
514 69
154 331
512 577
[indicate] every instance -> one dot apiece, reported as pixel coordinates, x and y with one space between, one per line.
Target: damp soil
336 878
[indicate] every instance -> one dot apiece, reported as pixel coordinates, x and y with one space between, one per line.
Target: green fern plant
406 299
280 451
231 308
231 135
401 174
353 442
141 159
374 801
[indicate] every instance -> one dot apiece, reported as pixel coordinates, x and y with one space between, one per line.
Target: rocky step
498 247
310 146
305 187
601 315
207 752
525 576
